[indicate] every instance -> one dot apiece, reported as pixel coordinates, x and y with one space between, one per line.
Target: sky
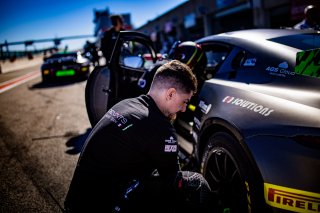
22 20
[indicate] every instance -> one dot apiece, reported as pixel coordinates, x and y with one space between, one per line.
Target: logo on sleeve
118 119
170 145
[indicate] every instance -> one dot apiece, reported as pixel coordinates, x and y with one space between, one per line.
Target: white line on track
4 86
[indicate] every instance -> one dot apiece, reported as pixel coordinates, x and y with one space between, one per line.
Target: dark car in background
65 65
255 124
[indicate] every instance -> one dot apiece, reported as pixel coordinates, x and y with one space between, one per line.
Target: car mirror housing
133 61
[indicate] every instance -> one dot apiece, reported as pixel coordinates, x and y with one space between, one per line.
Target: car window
244 66
214 58
215 54
302 42
134 54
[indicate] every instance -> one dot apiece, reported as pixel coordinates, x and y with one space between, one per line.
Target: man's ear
170 93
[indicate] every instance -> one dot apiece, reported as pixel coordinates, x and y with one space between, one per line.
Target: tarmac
20 63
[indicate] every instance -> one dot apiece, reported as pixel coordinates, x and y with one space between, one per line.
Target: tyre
231 177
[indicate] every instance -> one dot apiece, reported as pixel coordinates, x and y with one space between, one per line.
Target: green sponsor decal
308 63
60 73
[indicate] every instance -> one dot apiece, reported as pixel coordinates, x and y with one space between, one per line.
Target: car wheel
230 176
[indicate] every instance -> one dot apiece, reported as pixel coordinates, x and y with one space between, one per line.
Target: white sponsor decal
265 111
196 122
116 117
281 70
205 108
171 140
142 83
283 65
250 62
170 148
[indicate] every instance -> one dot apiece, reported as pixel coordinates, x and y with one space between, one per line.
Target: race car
255 122
65 65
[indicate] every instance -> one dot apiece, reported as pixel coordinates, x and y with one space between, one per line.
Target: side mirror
133 61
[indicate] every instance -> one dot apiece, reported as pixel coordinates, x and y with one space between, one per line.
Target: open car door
133 54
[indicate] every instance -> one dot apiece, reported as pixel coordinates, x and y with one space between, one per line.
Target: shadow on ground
76 143
60 83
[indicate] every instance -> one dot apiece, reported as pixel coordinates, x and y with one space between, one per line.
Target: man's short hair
175 74
115 18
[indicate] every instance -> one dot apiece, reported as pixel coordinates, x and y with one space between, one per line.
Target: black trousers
185 192
189 192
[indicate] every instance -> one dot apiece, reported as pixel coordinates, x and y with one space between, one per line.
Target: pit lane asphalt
39 125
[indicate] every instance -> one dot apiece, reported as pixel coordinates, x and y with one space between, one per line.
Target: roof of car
267 33
259 33
267 41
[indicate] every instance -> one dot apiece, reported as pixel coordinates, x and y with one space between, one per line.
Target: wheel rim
223 174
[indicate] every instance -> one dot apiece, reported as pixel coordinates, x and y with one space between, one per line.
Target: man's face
120 23
178 103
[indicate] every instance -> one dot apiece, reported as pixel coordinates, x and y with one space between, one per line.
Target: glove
193 191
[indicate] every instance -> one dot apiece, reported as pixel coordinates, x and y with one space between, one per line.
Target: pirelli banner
308 63
291 199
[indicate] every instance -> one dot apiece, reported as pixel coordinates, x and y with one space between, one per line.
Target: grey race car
257 122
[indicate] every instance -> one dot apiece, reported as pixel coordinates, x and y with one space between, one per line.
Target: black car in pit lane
65 65
255 122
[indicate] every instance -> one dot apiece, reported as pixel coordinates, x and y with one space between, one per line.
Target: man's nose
183 108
